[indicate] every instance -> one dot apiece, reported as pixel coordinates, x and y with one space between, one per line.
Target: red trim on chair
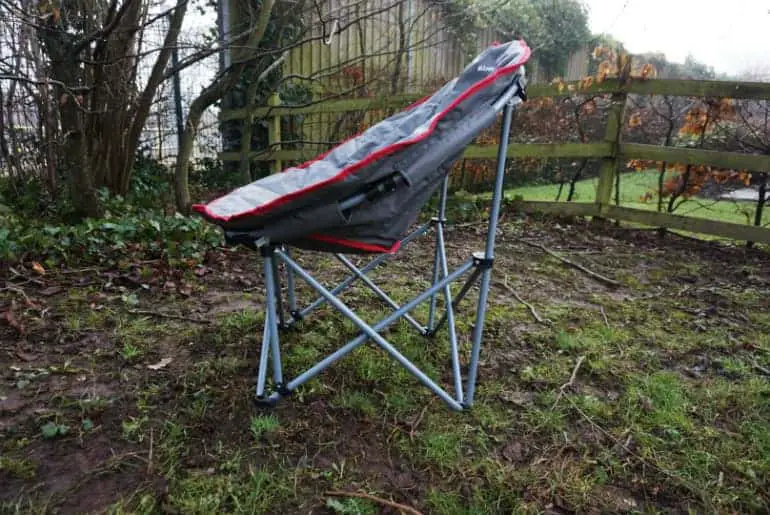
368 247
204 209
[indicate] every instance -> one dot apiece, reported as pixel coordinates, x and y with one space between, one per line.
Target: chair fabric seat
393 168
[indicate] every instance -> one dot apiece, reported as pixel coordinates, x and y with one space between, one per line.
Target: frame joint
265 248
480 260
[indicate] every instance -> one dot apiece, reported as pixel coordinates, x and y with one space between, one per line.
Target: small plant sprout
262 425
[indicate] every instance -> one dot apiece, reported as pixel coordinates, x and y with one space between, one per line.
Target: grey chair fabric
363 195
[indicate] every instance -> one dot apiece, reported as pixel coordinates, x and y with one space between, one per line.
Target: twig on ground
570 382
149 457
604 315
414 426
529 306
379 500
760 368
17 289
599 277
26 278
168 315
465 225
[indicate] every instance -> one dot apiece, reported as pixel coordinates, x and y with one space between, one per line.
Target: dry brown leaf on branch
38 268
10 318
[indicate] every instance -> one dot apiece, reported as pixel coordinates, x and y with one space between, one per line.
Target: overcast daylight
731 36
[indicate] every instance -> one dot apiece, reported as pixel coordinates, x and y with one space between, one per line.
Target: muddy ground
131 390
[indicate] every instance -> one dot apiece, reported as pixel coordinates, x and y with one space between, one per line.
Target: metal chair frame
478 268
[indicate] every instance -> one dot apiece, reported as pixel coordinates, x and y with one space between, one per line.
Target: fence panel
602 146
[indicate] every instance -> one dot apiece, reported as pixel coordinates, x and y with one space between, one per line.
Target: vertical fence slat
274 135
612 135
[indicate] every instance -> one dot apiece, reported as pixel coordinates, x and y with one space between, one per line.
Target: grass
666 412
262 425
633 186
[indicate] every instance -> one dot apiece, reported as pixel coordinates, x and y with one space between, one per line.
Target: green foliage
150 183
24 469
262 425
691 68
150 187
564 25
27 196
123 228
207 174
462 206
557 27
52 430
259 492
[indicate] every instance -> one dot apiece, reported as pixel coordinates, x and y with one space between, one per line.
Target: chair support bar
479 265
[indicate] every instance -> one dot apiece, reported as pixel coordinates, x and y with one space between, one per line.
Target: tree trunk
680 190
5 155
182 172
144 103
661 184
212 93
395 78
82 191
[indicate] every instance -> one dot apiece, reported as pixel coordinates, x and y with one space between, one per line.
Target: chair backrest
386 148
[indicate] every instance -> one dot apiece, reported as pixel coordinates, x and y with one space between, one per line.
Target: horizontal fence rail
612 151
686 156
644 217
672 87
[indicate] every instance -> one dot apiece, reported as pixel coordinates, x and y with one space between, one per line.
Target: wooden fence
612 151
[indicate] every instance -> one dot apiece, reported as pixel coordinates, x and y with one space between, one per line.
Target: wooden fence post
610 163
613 136
274 134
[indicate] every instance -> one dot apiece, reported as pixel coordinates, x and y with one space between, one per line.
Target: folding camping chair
362 197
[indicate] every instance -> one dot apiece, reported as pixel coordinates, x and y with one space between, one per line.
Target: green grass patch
20 468
633 187
262 425
261 490
356 401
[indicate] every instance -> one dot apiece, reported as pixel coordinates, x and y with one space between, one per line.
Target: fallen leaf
160 364
38 268
10 318
26 357
31 304
51 290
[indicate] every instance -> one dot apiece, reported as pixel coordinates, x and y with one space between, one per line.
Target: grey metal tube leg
278 296
376 289
290 289
370 332
372 265
440 251
272 322
489 254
